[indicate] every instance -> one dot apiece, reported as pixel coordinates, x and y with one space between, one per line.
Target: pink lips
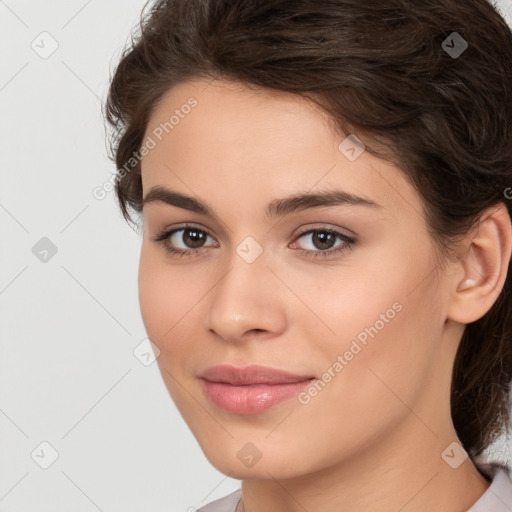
251 389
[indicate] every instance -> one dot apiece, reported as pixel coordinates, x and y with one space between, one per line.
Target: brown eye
192 238
323 241
185 240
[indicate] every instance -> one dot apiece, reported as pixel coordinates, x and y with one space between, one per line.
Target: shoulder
498 496
226 504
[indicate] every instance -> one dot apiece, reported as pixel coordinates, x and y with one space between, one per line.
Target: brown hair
381 69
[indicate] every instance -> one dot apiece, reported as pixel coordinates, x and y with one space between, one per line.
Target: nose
246 301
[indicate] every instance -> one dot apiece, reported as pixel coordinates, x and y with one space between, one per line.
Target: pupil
196 237
320 238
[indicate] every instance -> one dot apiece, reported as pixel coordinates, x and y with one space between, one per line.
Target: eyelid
348 240
167 232
325 227
190 225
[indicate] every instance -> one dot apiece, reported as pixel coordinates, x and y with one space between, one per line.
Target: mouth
252 389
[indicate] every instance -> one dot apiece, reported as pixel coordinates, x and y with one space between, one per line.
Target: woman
324 189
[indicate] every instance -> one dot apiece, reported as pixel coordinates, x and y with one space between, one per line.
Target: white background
68 327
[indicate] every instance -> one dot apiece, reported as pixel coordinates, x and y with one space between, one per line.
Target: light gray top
497 498
226 504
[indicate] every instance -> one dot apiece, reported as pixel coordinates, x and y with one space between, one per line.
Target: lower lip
251 399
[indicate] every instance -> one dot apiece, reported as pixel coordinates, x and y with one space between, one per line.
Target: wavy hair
383 69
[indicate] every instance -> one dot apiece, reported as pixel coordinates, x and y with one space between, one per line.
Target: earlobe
484 267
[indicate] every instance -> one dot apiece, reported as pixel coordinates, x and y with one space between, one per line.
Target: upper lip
248 375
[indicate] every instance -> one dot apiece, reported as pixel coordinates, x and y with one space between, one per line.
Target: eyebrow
276 208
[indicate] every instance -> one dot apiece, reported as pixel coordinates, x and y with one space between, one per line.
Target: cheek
385 335
373 294
154 302
166 296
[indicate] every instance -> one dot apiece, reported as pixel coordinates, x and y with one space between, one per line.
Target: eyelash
348 244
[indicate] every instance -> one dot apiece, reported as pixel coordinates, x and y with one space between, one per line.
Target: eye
191 239
324 239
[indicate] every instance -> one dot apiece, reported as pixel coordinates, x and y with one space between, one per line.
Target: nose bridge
247 265
244 297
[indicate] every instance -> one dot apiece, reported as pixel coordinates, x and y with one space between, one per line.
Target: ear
482 269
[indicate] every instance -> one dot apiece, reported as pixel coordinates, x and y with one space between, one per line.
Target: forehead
220 138
229 113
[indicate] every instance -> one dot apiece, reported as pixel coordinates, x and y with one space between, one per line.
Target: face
338 292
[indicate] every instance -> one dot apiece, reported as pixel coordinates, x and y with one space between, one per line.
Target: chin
237 463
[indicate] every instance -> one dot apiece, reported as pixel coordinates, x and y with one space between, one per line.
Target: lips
250 375
252 389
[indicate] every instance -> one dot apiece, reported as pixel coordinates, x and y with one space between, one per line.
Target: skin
373 438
